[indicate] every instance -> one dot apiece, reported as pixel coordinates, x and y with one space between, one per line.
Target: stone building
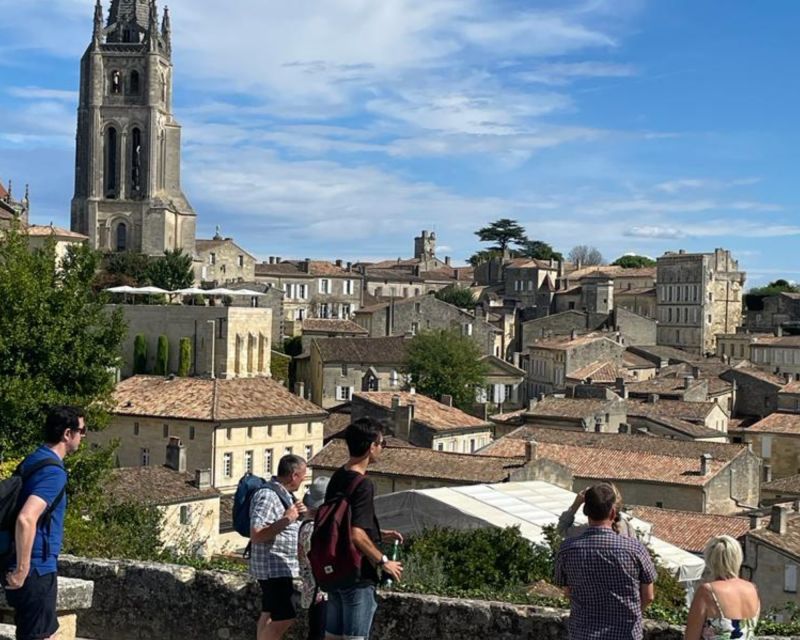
551 360
12 209
228 426
188 504
220 261
610 286
128 193
789 397
227 342
314 288
772 559
333 369
777 354
311 328
39 235
756 391
271 299
767 313
422 421
776 438
705 477
693 420
424 313
699 296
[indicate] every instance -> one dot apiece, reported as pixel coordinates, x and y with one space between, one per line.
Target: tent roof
530 505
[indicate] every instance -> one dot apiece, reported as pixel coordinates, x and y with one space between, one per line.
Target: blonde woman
725 607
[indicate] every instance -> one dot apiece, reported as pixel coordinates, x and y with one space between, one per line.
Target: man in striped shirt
607 577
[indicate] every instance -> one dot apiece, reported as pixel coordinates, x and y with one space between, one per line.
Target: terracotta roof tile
419 462
3 192
792 387
789 542
624 457
331 325
633 361
209 399
154 486
427 411
564 343
684 427
788 485
44 230
389 350
281 269
690 530
696 411
571 407
601 371
786 423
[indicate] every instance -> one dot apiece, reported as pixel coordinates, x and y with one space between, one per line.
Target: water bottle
394 556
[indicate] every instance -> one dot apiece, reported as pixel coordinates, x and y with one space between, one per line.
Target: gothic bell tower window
116 82
134 83
122 236
111 163
136 161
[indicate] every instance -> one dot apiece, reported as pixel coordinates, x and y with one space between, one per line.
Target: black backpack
10 492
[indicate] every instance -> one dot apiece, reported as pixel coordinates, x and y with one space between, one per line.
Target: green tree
445 362
585 255
123 268
775 287
457 296
185 357
162 356
539 250
634 262
57 342
171 271
502 233
140 354
479 257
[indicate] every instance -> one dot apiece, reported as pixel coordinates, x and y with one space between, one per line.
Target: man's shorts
35 606
350 612
279 598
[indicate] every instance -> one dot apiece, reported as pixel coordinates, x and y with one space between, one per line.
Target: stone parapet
138 601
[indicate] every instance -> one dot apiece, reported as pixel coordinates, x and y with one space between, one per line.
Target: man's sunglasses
382 443
81 430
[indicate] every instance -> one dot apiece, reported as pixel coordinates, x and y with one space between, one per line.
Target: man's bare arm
648 594
24 535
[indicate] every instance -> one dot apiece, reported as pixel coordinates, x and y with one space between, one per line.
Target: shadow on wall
138 601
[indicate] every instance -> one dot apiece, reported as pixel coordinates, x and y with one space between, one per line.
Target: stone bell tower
128 194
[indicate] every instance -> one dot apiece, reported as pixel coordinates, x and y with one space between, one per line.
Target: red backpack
335 560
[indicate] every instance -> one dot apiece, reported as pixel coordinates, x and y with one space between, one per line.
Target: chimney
687 381
531 450
788 377
796 505
349 266
447 260
447 400
515 359
202 478
754 521
403 417
176 455
395 402
300 389
704 460
277 259
271 260
766 473
652 398
541 397
779 331
777 519
307 265
696 372
624 427
573 334
598 423
338 263
724 358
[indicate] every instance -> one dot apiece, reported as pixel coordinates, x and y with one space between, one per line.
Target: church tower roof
129 11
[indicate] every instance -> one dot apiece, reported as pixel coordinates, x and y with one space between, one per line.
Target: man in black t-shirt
352 608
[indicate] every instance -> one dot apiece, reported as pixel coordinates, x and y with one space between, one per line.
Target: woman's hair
723 556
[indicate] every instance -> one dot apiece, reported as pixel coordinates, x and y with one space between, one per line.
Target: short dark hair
60 418
360 435
288 464
599 501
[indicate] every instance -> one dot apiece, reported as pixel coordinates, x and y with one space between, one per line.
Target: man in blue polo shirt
31 582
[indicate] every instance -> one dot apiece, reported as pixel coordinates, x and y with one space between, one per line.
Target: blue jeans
350 612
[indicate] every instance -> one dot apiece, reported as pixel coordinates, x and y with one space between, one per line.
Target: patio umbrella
123 289
219 292
191 291
150 291
246 292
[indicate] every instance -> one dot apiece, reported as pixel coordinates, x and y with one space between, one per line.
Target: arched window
111 163
116 81
122 236
136 160
134 80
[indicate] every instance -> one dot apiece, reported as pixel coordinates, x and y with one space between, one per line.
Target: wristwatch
383 561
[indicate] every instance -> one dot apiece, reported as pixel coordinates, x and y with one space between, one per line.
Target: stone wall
138 601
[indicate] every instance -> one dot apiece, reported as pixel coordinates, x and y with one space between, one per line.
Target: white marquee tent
530 505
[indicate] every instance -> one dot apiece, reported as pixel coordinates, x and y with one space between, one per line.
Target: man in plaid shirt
274 523
607 577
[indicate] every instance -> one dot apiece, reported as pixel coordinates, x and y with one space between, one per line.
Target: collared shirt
604 572
278 558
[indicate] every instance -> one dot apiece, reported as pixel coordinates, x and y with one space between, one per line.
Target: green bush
185 357
162 356
279 366
140 354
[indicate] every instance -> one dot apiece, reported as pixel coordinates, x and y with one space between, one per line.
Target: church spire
152 26
166 30
98 23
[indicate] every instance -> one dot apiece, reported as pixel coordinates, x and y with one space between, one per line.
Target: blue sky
340 129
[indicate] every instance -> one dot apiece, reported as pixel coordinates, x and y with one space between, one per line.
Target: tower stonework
128 194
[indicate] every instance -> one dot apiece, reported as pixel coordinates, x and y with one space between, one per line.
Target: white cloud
561 73
40 93
654 231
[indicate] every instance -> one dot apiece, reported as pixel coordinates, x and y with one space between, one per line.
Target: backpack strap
279 489
44 522
28 472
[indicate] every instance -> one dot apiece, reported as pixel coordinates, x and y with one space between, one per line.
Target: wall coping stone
74 594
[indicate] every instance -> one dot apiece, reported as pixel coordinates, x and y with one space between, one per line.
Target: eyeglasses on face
382 443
